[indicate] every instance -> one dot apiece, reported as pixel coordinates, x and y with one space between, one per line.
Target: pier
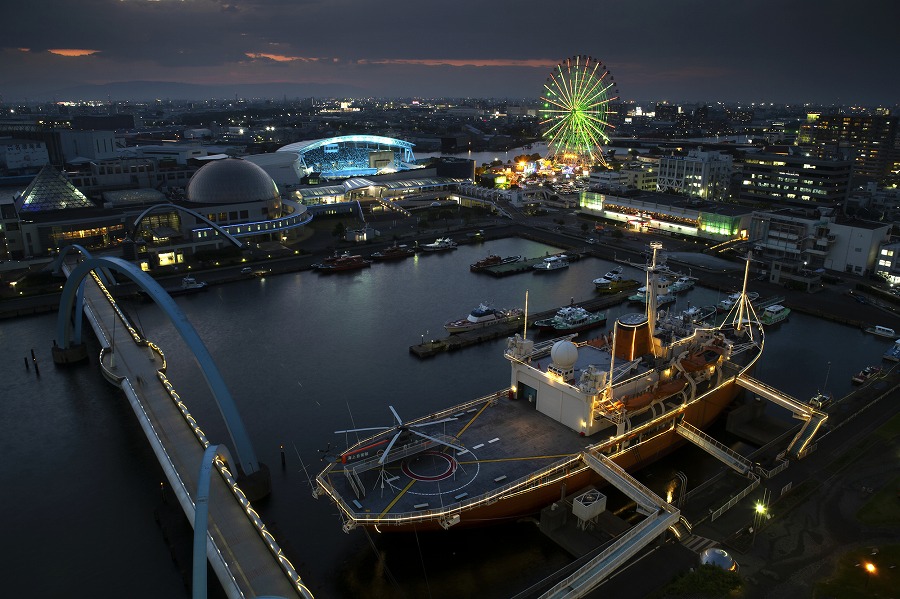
244 555
460 340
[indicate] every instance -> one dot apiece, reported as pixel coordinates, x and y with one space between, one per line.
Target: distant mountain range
171 90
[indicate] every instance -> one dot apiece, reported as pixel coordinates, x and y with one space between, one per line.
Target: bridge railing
284 563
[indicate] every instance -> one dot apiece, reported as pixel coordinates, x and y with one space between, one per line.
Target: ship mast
743 307
652 279
525 328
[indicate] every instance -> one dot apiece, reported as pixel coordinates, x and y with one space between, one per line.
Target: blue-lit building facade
353 156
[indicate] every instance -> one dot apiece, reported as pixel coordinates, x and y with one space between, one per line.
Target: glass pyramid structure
50 191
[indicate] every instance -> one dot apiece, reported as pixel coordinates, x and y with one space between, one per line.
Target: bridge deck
241 558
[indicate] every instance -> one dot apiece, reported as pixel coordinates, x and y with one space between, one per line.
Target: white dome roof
231 181
564 354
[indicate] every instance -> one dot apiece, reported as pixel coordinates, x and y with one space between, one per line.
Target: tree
339 230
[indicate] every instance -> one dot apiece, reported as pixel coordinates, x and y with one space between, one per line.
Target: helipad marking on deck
494 440
479 446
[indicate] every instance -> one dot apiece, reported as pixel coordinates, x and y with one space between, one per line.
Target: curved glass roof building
353 155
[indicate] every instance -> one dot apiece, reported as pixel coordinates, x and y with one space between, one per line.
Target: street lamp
870 570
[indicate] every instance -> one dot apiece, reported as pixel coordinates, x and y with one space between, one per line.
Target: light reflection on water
306 354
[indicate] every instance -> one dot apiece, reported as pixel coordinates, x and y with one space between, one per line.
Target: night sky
820 51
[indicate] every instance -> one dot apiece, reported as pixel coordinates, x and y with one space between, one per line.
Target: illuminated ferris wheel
575 110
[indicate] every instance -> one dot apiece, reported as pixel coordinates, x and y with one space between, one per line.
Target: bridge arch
65 332
195 214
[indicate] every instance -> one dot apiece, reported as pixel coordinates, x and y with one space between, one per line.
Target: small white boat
552 263
440 244
728 303
483 316
774 314
882 331
191 283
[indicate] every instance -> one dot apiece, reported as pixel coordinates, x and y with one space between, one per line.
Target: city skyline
763 51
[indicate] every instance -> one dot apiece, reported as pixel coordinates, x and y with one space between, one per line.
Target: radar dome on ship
564 354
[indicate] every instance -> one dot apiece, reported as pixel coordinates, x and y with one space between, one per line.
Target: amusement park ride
575 109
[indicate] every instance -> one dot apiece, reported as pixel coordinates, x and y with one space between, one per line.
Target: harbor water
304 355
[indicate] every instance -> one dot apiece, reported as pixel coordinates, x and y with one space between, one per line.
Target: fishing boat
394 252
344 263
774 314
551 263
893 352
482 316
441 244
492 260
571 319
569 406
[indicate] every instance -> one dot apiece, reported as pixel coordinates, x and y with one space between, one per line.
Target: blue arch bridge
214 490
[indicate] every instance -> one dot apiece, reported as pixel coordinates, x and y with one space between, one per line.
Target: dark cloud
816 50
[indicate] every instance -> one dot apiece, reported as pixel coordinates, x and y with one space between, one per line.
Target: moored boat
482 316
774 314
865 374
395 252
440 244
681 284
571 319
611 281
726 304
551 263
492 260
698 314
893 352
188 285
881 331
577 402
344 263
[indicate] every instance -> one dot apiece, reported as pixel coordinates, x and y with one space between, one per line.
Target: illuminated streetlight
870 570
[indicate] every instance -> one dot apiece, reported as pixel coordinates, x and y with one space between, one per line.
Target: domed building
231 181
228 194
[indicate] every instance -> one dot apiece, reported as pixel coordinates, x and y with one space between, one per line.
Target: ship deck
504 440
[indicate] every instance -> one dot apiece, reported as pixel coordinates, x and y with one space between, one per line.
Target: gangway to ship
724 454
660 516
813 418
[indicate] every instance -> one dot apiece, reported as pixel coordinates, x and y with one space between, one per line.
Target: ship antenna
525 328
827 372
